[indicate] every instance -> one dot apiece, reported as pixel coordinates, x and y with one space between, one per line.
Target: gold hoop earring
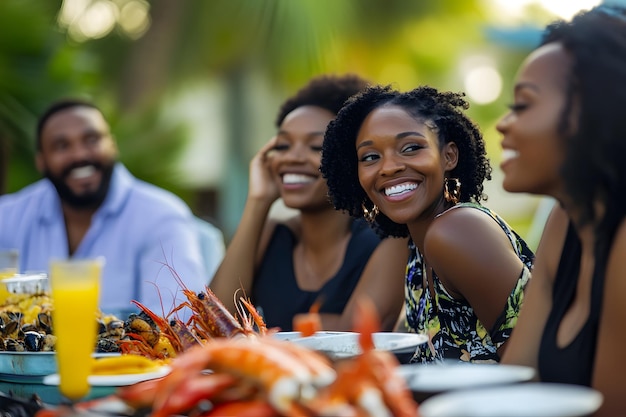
370 215
452 196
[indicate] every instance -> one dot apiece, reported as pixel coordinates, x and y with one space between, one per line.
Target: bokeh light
561 8
94 19
483 84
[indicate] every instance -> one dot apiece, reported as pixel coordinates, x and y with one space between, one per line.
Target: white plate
535 399
439 378
287 335
345 345
114 380
298 335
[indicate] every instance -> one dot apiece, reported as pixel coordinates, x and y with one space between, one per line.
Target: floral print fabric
453 329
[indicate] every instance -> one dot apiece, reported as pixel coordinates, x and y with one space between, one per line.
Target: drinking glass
8 267
75 290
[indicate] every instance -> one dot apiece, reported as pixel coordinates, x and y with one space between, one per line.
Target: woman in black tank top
565 138
314 253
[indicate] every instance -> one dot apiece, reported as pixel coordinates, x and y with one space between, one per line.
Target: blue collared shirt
140 230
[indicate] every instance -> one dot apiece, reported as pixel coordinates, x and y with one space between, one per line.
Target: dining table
442 390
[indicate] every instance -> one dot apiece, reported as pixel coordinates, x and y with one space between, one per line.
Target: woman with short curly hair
414 164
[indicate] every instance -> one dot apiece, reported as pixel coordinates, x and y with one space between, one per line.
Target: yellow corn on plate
124 364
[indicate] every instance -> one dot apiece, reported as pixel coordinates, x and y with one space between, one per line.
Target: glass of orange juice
8 268
75 291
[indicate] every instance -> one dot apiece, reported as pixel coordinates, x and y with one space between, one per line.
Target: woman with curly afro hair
319 255
565 138
412 163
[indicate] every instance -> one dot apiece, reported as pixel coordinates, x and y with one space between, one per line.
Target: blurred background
191 87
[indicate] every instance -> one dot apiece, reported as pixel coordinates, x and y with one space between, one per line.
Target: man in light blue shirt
89 205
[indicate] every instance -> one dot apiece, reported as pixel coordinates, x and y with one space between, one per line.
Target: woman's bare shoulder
464 228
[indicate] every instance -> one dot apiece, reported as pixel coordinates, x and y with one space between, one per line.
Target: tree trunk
147 67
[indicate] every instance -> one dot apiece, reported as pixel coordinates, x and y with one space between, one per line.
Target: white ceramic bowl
435 378
344 345
534 399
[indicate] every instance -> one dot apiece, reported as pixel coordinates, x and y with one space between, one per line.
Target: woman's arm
249 243
609 376
523 346
475 261
382 281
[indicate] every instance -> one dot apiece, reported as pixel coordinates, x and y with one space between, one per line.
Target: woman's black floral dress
454 330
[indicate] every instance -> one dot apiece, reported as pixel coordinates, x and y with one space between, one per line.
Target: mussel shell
115 329
10 329
8 316
33 341
107 345
44 321
102 328
143 326
29 327
49 341
141 320
13 345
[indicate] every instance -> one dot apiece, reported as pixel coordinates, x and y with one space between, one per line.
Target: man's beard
89 199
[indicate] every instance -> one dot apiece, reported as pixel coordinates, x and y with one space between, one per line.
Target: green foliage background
257 51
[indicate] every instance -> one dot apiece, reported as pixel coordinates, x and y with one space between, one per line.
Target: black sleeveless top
276 291
572 364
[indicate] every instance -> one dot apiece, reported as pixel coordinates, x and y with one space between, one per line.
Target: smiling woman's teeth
399 189
509 154
83 172
297 179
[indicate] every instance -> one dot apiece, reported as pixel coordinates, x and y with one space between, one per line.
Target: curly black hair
594 169
444 109
326 91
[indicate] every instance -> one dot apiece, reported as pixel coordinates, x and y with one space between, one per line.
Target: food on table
123 364
247 371
264 376
26 325
161 338
309 323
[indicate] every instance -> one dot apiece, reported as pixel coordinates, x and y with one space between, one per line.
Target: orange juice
75 294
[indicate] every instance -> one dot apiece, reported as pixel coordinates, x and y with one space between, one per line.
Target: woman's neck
419 227
323 239
321 228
